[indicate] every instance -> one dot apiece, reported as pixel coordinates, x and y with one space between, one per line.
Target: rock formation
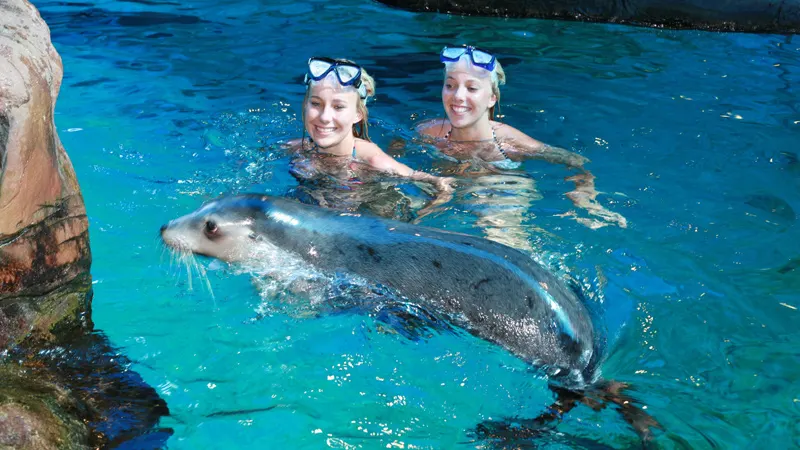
44 239
61 385
761 16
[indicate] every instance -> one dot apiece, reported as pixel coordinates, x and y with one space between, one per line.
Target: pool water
693 137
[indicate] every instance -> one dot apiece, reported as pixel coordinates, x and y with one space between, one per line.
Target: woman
338 150
470 134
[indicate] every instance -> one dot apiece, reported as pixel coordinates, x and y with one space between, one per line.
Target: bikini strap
353 156
499 147
494 138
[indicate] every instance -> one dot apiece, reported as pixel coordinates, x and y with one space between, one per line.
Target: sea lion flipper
597 397
637 417
516 428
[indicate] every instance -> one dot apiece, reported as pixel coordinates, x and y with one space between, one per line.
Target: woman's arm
558 155
522 146
385 163
379 160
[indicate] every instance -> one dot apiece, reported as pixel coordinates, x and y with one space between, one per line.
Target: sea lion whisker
188 263
203 274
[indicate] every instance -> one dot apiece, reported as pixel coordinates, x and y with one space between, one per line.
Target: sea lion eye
211 227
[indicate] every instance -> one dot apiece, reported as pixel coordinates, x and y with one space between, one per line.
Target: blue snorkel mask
347 73
480 58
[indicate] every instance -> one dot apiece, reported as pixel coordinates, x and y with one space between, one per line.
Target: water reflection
501 204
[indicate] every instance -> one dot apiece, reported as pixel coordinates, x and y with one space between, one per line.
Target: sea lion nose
163 227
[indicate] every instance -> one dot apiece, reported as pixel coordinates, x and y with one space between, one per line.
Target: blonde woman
470 134
335 116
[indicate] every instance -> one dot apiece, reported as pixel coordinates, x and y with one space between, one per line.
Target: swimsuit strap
497 144
494 138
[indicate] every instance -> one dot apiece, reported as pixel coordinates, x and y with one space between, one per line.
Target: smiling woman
335 117
470 135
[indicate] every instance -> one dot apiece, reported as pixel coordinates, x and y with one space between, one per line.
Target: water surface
693 137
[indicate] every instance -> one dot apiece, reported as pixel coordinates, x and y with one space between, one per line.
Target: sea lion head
224 228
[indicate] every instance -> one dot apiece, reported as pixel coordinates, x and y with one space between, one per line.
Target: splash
286 283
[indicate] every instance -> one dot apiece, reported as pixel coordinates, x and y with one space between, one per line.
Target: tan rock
44 241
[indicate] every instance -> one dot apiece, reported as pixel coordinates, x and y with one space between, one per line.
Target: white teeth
460 109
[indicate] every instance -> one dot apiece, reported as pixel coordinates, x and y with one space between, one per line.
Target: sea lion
496 292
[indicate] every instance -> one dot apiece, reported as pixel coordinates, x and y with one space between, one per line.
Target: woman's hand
444 193
585 196
444 184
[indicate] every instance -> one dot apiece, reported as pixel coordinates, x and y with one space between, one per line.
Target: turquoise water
693 137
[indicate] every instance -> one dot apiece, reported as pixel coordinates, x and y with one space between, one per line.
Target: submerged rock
96 386
37 414
761 16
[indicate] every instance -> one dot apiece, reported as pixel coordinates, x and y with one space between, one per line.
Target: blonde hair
497 81
361 128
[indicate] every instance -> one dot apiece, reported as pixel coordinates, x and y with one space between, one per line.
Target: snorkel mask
480 58
347 73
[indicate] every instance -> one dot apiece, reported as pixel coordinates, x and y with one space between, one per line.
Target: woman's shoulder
366 146
433 127
506 132
367 150
371 154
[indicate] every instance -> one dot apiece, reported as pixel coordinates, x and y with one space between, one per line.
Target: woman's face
467 94
330 112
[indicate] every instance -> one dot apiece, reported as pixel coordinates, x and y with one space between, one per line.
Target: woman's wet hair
361 128
497 81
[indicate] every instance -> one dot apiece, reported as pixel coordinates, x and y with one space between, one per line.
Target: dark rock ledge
755 16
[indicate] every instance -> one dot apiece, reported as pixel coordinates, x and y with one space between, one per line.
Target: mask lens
347 73
481 57
318 68
453 53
